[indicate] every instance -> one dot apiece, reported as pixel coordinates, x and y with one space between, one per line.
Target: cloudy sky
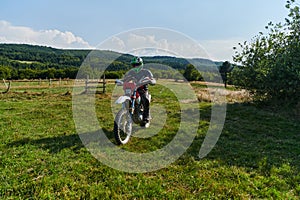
217 25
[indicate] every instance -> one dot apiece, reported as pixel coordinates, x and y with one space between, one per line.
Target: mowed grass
42 156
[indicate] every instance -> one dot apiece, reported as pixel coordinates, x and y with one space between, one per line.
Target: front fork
129 106
133 98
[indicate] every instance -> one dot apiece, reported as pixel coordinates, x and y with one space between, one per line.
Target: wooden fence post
4 83
7 86
95 84
104 84
87 84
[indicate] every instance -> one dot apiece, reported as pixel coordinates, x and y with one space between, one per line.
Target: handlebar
147 80
144 81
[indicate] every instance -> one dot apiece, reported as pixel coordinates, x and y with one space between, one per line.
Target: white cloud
221 49
114 43
157 41
154 41
55 38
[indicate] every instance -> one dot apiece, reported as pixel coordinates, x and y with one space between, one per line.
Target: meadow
42 157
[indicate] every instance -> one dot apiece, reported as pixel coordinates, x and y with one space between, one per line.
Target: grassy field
42 156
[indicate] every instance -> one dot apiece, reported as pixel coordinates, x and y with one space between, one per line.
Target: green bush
269 65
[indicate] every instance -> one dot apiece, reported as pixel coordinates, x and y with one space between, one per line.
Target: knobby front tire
122 127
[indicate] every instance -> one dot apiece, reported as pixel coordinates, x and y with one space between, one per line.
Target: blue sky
217 25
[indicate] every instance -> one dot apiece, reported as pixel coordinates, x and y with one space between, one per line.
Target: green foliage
224 69
114 74
192 74
270 64
5 72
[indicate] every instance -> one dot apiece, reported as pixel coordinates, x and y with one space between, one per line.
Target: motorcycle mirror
119 82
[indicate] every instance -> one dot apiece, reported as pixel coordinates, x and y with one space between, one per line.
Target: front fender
122 99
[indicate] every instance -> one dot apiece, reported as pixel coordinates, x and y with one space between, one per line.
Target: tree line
22 61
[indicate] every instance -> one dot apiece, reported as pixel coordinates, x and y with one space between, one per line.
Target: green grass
42 156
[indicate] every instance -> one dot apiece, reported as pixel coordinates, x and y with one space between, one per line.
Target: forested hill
39 57
31 61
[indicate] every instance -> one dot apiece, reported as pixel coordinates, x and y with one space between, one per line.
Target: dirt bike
131 111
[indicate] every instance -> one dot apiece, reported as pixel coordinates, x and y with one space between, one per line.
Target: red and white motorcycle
131 111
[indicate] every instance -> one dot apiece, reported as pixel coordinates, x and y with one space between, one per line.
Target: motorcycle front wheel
122 127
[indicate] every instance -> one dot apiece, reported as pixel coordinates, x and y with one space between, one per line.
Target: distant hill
39 57
42 57
32 61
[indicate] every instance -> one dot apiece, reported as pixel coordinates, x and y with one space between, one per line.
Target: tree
191 73
5 72
224 69
26 73
270 63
